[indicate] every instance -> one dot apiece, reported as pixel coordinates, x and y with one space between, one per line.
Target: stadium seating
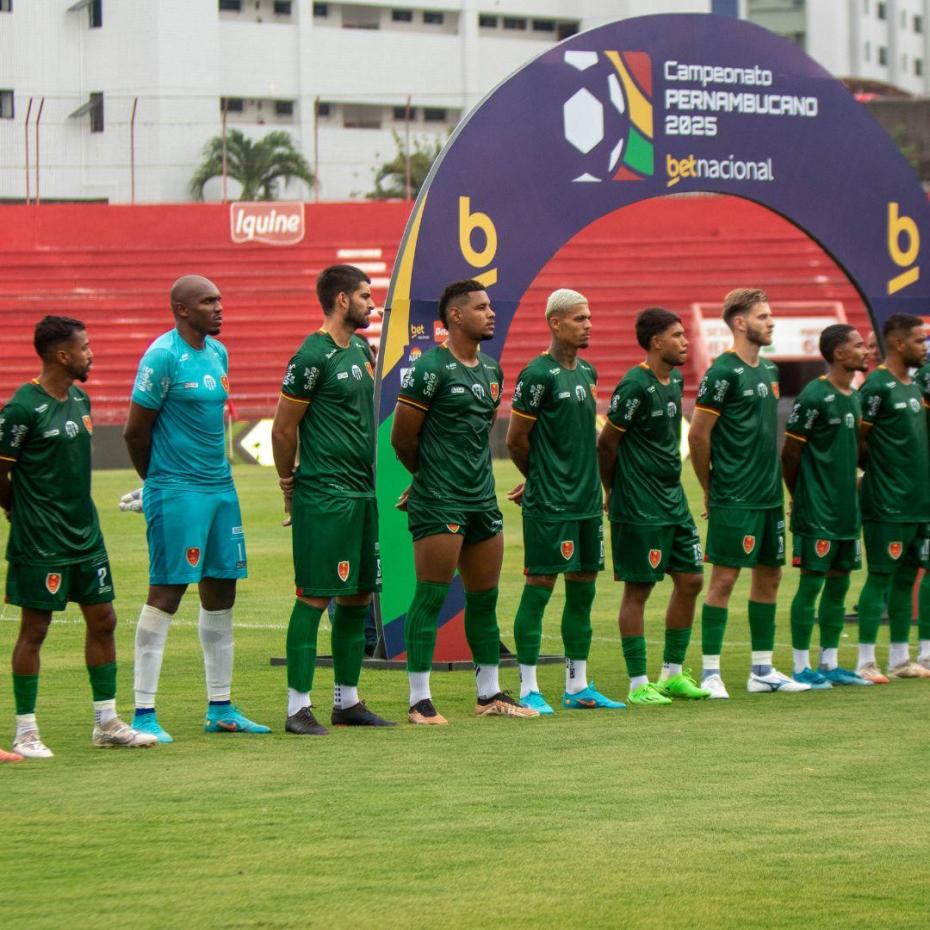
112 267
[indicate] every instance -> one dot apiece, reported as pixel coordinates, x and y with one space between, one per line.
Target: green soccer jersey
337 432
826 499
460 403
562 402
647 487
745 473
54 520
896 486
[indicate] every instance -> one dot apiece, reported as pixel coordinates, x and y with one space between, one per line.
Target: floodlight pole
407 188
38 119
225 164
26 147
316 149
132 151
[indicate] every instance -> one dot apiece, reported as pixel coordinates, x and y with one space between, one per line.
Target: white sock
637 681
576 675
487 681
761 657
25 723
802 659
924 651
710 665
419 687
297 700
528 680
344 696
216 639
898 654
866 653
669 670
104 711
151 633
829 658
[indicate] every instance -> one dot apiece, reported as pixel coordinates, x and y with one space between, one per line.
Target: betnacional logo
271 223
568 549
655 557
193 556
53 582
749 543
609 120
342 570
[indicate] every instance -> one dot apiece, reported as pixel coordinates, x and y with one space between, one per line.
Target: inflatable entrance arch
629 111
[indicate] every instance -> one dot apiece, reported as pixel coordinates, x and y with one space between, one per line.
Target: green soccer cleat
647 695
227 718
682 686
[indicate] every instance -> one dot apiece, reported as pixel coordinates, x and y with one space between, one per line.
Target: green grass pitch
761 812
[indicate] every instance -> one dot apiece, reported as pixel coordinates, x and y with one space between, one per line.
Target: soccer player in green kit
923 598
895 496
327 408
819 463
447 404
652 531
551 440
55 549
734 451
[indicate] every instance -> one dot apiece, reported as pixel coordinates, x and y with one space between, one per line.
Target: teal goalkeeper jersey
188 387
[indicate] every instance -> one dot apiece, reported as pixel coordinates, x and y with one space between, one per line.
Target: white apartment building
115 99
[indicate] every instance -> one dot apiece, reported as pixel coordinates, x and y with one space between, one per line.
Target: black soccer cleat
305 724
358 715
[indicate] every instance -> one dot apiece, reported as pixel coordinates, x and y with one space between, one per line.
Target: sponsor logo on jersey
209 382
190 385
453 527
193 556
53 582
88 424
895 549
71 428
457 389
655 557
564 394
237 531
568 549
50 432
749 543
776 390
342 570
224 380
822 547
341 375
495 390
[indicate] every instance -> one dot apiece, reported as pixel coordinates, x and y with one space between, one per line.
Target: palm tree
257 165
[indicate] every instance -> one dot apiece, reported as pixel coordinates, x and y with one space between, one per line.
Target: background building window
361 116
96 112
282 7
486 21
402 16
400 114
882 55
918 67
324 109
284 107
231 6
434 115
514 22
881 10
918 24
95 14
432 18
543 25
6 6
232 104
321 10
6 104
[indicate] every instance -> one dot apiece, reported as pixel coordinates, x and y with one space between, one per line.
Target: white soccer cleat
131 502
774 681
30 746
714 684
115 734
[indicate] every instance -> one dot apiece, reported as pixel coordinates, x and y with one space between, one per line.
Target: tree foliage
390 177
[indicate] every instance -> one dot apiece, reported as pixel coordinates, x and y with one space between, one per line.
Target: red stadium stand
111 266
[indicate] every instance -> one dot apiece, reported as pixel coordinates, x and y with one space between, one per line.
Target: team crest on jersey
193 556
342 570
749 543
88 424
371 371
655 557
895 549
775 390
594 391
224 380
568 549
53 582
453 527
822 548
495 390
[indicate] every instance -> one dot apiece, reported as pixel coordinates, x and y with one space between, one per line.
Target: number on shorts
102 577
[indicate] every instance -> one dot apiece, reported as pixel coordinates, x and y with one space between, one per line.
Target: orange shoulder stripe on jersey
526 416
7 458
796 436
619 429
297 400
406 400
716 413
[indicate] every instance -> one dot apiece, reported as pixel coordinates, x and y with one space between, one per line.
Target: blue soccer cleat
843 676
227 718
589 699
148 723
535 701
812 678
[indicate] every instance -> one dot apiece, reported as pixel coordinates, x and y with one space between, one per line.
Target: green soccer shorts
335 542
745 538
645 554
891 545
553 547
431 519
44 587
826 555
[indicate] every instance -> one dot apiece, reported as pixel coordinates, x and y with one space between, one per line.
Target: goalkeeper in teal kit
175 439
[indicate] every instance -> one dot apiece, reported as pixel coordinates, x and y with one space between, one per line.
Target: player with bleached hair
551 440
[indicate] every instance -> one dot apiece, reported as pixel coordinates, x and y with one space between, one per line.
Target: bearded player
734 450
819 462
652 531
551 441
447 404
895 496
175 437
55 549
327 409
